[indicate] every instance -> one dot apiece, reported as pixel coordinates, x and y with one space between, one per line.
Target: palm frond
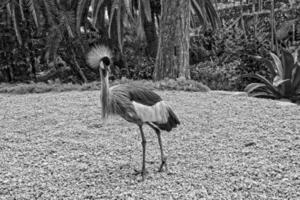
96 7
50 11
21 10
139 22
34 10
112 15
205 12
12 8
212 14
128 9
4 3
53 42
8 7
145 5
198 10
82 7
67 18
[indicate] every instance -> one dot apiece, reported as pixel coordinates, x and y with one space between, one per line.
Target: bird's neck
104 95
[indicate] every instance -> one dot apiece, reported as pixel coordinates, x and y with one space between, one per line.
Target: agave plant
285 75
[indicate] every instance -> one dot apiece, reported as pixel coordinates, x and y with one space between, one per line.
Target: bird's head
99 58
105 64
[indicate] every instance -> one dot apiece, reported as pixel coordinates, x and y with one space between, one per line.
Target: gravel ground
55 146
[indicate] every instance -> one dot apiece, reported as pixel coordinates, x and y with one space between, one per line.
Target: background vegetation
46 41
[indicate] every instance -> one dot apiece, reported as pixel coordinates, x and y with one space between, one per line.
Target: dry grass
54 146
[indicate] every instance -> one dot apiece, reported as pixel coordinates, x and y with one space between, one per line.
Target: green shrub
140 68
139 65
217 77
167 84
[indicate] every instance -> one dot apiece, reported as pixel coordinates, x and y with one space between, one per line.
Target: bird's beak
101 65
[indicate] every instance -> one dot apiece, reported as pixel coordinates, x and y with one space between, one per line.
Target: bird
134 103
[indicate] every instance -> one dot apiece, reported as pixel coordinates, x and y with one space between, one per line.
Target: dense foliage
285 80
235 46
217 77
45 40
227 53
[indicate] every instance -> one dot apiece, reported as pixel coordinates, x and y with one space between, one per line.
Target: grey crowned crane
134 103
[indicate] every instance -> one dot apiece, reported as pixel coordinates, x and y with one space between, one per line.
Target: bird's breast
155 113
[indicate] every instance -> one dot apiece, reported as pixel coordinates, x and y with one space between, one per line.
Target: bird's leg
144 152
163 158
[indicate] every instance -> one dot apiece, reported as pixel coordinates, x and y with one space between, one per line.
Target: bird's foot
163 164
140 172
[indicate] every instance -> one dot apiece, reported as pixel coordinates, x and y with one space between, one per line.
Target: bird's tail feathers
96 54
172 121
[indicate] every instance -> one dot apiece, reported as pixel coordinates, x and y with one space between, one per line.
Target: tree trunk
172 59
150 33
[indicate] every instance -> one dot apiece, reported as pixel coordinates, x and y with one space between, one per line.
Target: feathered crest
96 54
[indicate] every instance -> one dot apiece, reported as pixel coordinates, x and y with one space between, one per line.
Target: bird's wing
139 94
121 104
138 104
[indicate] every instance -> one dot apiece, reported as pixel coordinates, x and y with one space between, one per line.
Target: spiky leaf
278 65
264 95
287 64
296 77
280 82
253 86
268 84
297 56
